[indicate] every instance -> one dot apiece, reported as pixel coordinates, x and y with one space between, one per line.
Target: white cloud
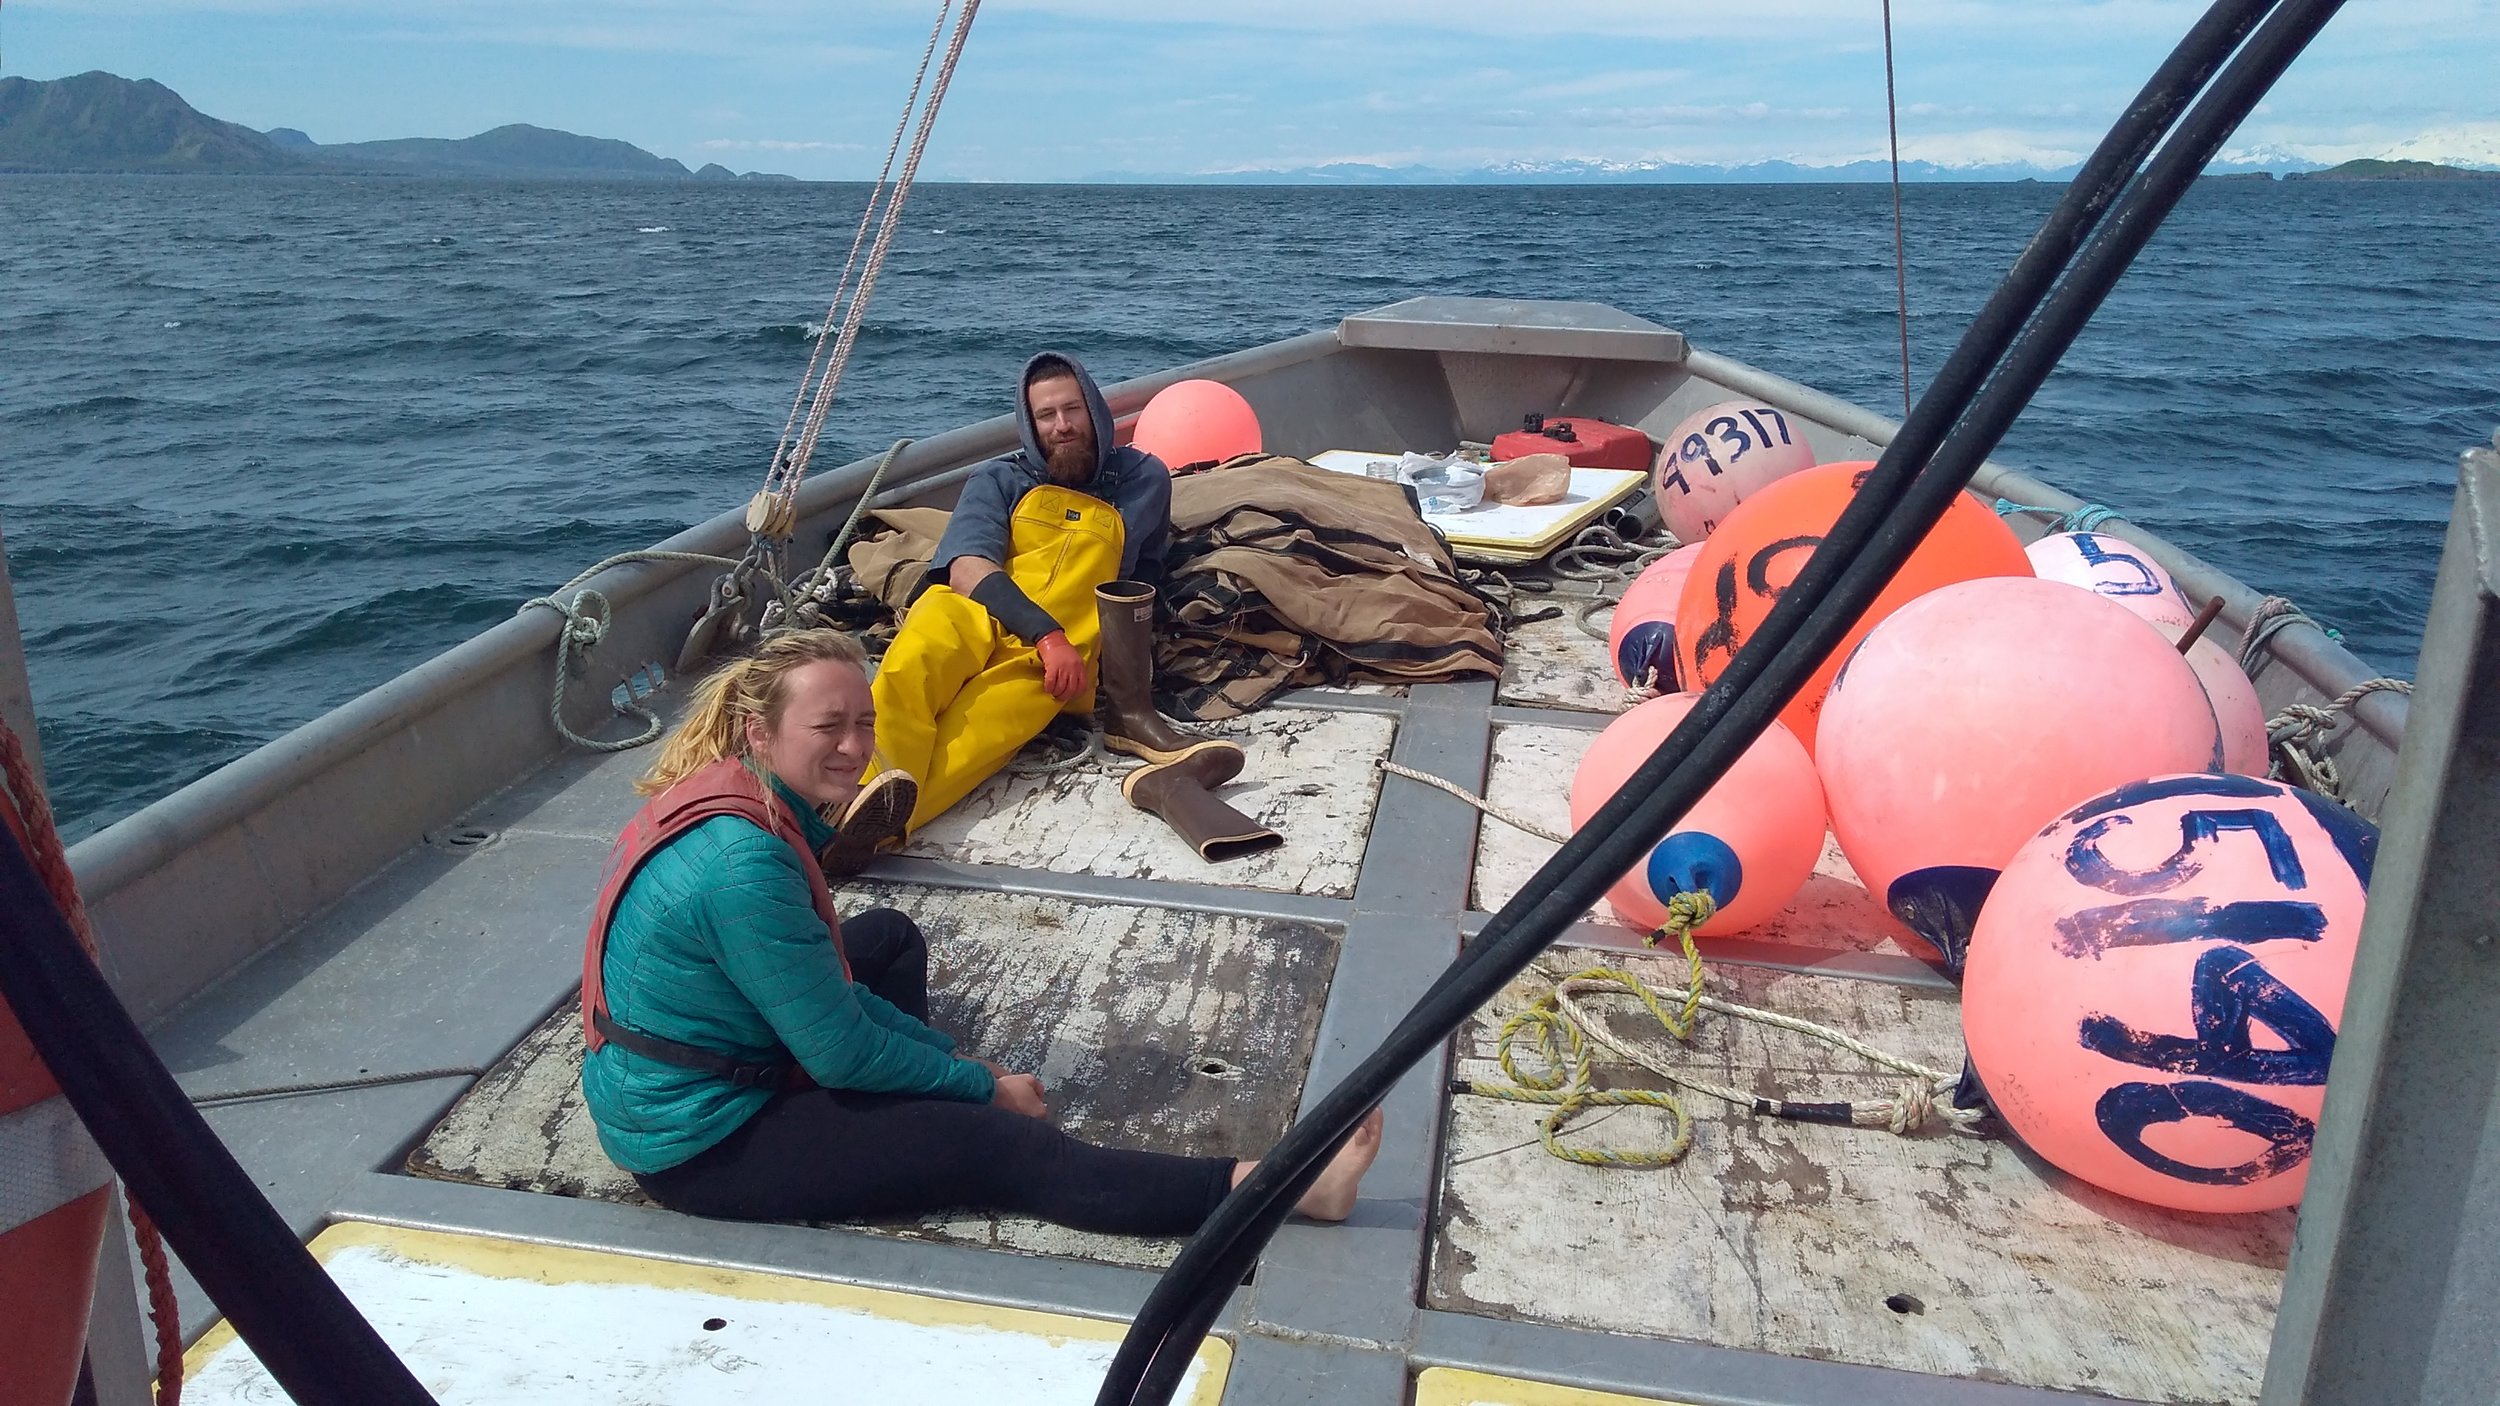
774 144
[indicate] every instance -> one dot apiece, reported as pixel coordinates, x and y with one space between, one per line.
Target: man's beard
1072 464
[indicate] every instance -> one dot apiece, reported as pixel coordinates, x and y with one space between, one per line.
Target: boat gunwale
117 862
2317 659
242 805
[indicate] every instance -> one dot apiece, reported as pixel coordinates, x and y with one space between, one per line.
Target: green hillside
2371 169
518 148
99 122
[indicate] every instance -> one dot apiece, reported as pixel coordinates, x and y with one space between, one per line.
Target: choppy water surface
265 443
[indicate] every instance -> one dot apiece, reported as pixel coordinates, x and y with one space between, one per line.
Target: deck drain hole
1215 1068
1904 1303
461 837
714 1325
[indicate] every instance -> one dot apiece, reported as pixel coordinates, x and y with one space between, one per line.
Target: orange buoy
1762 546
50 1224
1719 456
1982 711
1197 422
2121 969
1640 635
1750 843
2245 748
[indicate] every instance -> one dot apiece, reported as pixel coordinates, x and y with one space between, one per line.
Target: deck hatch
1948 1255
1159 1028
1513 328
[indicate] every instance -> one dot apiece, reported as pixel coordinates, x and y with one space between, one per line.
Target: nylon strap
46 1161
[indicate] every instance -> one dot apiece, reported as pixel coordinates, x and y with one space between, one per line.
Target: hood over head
1051 362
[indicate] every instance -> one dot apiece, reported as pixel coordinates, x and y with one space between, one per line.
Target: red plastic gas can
1588 444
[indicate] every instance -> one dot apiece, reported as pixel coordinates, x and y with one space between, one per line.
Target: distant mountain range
101 122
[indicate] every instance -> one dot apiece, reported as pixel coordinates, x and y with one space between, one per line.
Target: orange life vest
725 787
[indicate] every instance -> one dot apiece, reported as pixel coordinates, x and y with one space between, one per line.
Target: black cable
315 1344
1685 765
1214 1261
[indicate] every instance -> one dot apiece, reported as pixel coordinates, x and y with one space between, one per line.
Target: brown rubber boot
1125 708
872 824
1183 793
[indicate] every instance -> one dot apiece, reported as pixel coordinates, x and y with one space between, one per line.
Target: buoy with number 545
2155 983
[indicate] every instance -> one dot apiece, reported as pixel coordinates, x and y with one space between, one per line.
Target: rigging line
877 255
859 239
1900 260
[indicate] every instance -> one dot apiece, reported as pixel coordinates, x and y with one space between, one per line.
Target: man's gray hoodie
1130 480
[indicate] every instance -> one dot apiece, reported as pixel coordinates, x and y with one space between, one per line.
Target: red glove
1063 669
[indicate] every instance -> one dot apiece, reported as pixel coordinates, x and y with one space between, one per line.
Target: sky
1069 89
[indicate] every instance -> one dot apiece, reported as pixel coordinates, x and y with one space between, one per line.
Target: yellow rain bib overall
957 695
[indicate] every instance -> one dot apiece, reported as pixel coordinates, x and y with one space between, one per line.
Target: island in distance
100 122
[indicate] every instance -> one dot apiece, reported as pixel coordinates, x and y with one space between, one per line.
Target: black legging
831 1154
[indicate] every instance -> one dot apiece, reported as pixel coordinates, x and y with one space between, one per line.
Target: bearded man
1047 568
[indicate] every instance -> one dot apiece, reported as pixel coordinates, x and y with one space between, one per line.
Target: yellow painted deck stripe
1449 1386
493 1257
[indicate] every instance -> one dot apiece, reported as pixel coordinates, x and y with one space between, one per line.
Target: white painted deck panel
1531 778
524 1325
1789 1238
1308 776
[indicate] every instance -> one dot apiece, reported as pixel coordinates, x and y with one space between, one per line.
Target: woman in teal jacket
716 980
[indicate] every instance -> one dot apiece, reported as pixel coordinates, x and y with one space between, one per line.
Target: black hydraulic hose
316 1345
1176 1316
1216 1259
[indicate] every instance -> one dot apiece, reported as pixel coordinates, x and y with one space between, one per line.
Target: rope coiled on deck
1562 1033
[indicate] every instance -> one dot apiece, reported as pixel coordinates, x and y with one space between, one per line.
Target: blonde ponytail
758 685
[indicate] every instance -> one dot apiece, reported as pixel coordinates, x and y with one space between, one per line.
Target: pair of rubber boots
1183 772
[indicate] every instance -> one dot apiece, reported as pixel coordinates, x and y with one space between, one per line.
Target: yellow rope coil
1569 1082
1560 1036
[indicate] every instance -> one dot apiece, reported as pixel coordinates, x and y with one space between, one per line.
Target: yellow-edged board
484 1321
1509 535
1449 1386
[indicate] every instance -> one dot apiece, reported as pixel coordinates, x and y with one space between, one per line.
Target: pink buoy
1979 712
2112 566
2123 965
1717 457
2245 750
1197 422
1750 843
1641 636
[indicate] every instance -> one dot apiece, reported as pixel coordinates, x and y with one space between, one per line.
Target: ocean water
265 443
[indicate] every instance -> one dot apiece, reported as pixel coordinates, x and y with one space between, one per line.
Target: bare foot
1332 1196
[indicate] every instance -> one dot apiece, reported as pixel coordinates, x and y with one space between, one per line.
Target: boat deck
1174 1003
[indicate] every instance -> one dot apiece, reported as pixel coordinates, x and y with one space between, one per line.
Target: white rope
799 403
587 616
2294 733
1506 817
1924 1095
772 514
794 470
1043 757
803 608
